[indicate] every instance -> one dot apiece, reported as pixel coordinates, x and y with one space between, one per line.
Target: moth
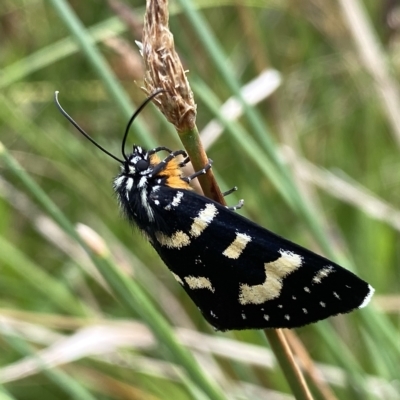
239 274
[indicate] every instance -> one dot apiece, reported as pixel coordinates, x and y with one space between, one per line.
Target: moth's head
138 162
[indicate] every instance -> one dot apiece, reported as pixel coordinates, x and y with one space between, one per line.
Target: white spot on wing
306 289
305 311
175 201
199 282
287 317
322 304
266 317
275 272
235 249
322 273
367 297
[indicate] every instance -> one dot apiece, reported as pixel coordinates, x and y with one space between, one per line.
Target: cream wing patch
204 218
180 239
235 249
199 282
275 272
177 240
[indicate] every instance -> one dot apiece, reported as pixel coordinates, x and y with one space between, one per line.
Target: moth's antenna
69 118
136 113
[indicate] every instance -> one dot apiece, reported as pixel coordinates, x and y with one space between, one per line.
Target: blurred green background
316 159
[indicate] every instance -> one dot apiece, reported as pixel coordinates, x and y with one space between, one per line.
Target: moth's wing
242 276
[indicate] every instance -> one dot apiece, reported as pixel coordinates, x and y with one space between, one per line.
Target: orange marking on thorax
172 172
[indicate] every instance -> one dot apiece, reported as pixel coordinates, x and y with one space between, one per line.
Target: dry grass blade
255 91
308 365
348 191
373 57
164 69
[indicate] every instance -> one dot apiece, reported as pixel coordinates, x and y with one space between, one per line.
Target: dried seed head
164 69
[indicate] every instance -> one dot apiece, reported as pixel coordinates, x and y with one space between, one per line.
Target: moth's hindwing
241 275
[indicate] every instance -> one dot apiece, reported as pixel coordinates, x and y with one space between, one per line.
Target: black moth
240 275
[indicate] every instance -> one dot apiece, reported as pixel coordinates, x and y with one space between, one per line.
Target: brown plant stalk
164 71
